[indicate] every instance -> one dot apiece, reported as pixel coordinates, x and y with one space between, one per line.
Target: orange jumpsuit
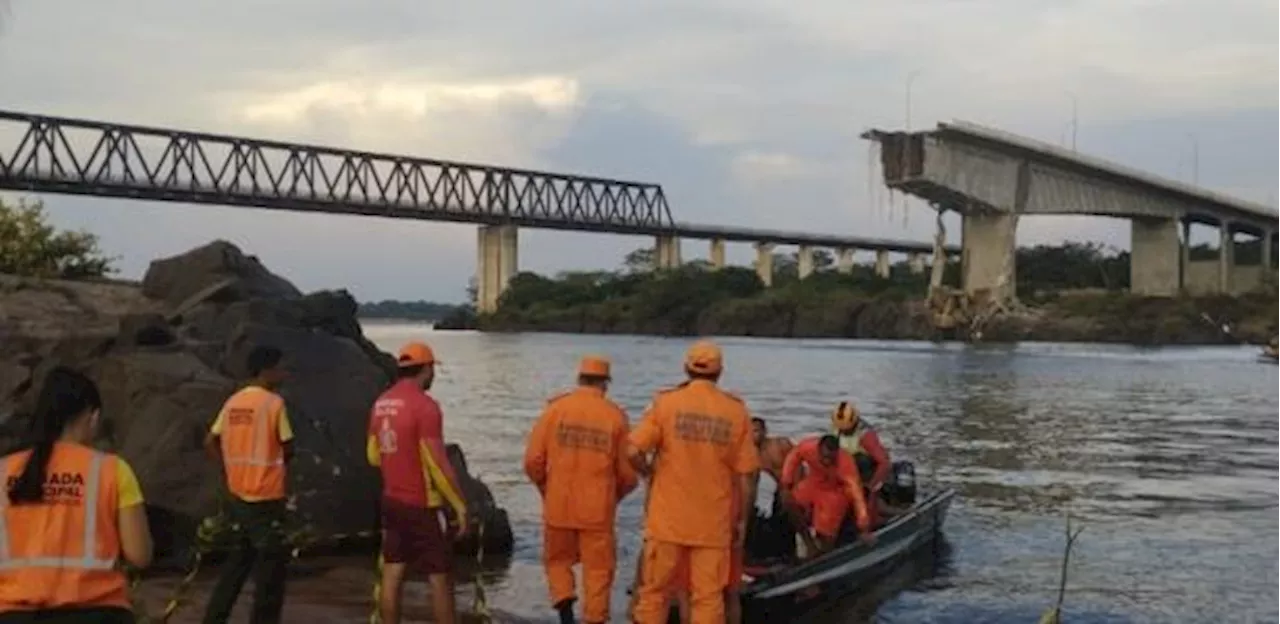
576 456
701 436
826 491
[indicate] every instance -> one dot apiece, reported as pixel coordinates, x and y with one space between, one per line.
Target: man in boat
821 499
576 456
772 450
703 477
862 443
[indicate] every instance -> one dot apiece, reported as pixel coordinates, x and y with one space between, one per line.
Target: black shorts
413 536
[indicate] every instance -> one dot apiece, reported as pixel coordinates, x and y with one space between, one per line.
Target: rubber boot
565 608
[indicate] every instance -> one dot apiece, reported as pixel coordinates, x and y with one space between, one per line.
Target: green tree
30 246
639 260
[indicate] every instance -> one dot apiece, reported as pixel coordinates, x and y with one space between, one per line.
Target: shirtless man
773 451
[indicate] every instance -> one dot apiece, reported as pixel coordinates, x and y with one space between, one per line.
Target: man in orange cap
406 441
576 456
701 492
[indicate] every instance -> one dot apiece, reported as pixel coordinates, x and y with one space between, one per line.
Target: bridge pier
1156 252
804 261
844 261
915 261
764 263
496 263
1226 256
987 243
667 252
882 263
717 254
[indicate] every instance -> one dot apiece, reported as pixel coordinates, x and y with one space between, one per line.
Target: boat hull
790 591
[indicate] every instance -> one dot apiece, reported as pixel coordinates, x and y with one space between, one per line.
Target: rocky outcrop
167 353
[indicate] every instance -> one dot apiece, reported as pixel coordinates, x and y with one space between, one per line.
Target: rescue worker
253 439
822 498
577 457
862 443
72 512
406 442
704 477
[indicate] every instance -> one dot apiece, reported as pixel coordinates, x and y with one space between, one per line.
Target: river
1167 458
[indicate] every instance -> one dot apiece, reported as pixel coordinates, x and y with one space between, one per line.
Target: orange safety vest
251 448
62 551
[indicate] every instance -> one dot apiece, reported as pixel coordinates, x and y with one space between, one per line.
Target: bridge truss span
59 155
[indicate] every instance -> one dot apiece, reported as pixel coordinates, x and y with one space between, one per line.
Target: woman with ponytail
70 514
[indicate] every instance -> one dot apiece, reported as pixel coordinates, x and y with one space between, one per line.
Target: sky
746 111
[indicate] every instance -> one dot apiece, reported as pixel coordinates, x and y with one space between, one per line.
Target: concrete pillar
1267 251
496 263
915 261
844 261
764 263
1184 257
987 252
666 252
804 261
1226 256
717 254
1154 257
882 263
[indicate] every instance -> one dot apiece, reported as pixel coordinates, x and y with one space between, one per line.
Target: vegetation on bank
31 247
1077 292
425 311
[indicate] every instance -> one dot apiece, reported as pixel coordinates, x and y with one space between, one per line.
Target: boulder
166 361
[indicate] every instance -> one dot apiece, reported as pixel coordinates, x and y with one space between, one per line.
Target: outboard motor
900 490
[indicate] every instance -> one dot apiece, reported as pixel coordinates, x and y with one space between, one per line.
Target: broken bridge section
994 177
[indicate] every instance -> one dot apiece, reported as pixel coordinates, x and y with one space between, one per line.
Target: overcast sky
747 111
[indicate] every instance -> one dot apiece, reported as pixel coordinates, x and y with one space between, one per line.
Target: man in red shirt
406 441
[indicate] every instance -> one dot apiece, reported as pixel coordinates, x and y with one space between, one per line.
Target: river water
1167 458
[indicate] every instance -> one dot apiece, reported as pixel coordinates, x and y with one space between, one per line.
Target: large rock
166 361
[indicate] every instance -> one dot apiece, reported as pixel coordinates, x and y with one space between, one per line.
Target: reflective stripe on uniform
851 443
86 561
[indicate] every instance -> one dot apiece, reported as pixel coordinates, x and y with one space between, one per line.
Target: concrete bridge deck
992 177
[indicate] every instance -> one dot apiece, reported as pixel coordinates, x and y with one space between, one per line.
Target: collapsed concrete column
1154 257
764 263
987 253
915 261
882 263
496 263
804 261
1226 256
717 254
844 261
667 252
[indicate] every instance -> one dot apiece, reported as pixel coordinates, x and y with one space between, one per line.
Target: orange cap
415 354
594 366
704 358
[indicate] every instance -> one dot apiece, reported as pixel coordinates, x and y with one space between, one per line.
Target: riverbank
732 302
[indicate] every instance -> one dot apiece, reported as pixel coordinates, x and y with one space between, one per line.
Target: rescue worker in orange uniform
406 443
861 442
822 498
71 513
253 439
577 457
703 480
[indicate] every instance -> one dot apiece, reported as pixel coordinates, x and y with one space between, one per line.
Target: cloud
747 111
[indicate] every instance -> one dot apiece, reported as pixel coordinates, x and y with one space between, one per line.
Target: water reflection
1168 455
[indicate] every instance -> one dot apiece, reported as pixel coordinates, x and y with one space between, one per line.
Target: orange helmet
845 416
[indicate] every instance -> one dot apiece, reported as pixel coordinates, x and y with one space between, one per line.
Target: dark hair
592 380
703 376
829 443
756 420
405 372
66 395
262 358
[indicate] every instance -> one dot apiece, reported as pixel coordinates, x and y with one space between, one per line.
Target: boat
785 591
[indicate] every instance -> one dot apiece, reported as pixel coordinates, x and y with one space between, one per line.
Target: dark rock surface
167 354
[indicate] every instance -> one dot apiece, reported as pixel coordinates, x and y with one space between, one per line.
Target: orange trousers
561 549
665 565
